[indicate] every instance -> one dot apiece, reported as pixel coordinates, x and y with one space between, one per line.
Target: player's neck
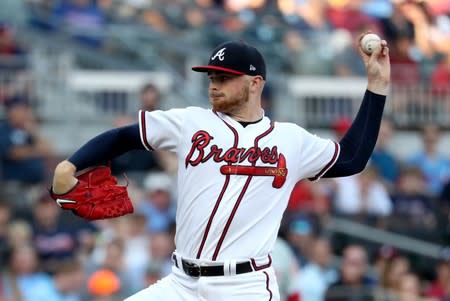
247 115
250 112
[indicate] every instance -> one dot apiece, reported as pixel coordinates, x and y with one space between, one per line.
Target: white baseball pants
258 285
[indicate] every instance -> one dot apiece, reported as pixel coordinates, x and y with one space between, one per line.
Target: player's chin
221 107
218 103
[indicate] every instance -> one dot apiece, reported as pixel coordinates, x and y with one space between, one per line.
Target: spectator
158 206
56 235
399 31
353 283
382 158
22 280
286 270
83 19
5 218
317 275
309 197
362 194
137 244
23 152
304 54
396 267
410 288
411 203
384 256
161 249
150 97
440 78
19 234
141 161
443 213
8 44
300 235
346 63
113 260
440 286
11 53
68 280
435 166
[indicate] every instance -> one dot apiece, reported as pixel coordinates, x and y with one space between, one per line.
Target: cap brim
216 68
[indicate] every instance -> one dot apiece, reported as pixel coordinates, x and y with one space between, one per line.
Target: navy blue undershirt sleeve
357 145
106 146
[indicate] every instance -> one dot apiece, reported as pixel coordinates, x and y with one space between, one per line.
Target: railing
106 94
318 101
370 234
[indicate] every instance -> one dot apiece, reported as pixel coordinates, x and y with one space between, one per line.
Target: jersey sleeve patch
143 130
329 164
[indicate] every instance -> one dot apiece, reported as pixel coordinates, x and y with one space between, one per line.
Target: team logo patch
219 54
203 150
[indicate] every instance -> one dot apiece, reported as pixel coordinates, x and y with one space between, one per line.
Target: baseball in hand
369 42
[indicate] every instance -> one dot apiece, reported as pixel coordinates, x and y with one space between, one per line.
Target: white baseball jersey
234 182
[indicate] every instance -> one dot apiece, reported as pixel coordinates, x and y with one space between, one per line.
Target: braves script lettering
200 152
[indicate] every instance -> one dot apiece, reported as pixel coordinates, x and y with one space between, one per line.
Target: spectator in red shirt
439 288
8 45
440 78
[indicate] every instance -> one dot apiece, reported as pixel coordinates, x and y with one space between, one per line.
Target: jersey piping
219 199
330 164
143 130
241 195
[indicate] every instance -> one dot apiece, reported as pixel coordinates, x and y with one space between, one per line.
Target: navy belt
196 270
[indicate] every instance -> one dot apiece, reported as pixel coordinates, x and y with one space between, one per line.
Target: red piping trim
261 267
144 131
330 164
211 217
244 189
267 286
219 199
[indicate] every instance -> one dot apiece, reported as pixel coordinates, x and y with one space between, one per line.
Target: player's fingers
364 55
376 52
384 48
361 51
362 35
385 51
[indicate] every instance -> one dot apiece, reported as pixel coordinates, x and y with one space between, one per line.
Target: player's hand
378 67
64 177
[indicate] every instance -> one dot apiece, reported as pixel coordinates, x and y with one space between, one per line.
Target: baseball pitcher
236 171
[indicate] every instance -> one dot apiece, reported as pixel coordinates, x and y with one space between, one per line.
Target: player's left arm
358 143
99 150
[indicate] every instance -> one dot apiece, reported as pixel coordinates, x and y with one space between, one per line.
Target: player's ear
256 81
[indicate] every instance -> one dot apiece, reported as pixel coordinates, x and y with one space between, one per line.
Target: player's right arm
358 143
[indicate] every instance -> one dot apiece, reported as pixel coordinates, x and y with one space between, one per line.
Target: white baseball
370 42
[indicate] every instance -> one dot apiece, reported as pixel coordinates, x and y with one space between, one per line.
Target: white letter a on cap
220 54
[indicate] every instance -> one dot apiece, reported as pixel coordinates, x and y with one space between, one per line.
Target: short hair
150 87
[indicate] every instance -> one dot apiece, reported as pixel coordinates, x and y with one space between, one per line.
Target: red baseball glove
96 196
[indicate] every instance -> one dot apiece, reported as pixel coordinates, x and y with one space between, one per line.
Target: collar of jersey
237 125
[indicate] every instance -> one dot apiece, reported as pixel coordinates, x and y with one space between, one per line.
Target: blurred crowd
48 254
312 37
